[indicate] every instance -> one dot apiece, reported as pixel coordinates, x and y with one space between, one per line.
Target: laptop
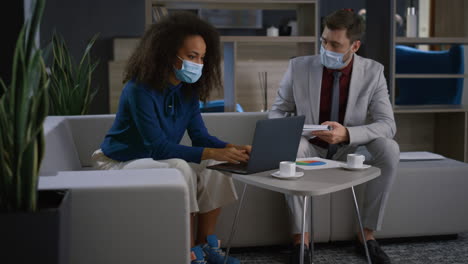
275 140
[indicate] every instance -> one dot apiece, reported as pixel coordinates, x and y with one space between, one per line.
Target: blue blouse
150 124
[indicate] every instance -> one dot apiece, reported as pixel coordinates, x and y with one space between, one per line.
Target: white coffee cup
287 168
355 160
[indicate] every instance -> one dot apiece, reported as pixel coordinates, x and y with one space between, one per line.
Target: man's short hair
346 19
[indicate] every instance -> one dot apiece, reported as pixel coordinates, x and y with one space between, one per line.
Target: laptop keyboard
239 166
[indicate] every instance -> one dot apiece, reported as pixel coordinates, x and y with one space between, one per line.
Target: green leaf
71 90
32 28
23 108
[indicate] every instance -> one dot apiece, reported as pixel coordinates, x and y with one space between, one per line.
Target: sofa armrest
60 150
123 216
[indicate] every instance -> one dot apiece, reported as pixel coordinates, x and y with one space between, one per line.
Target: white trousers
208 189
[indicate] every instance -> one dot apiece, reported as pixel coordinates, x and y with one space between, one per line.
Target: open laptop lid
275 140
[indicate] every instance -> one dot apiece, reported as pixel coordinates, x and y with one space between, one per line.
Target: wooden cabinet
438 129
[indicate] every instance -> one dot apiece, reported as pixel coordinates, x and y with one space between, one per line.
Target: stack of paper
316 127
306 131
420 155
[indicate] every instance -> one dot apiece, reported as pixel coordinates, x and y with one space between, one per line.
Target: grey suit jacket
369 114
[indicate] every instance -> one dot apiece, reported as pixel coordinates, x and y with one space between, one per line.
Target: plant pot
37 237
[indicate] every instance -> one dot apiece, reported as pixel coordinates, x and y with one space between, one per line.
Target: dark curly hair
152 61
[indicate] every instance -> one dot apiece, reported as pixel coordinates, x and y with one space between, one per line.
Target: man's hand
338 134
229 154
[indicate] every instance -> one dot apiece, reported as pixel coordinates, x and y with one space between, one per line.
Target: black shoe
377 255
296 254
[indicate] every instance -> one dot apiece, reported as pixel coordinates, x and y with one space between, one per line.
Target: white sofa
115 216
428 198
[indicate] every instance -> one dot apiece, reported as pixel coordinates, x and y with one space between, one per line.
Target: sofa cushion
434 164
88 133
235 128
60 151
427 198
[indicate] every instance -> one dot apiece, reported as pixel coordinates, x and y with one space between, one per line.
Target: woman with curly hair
176 64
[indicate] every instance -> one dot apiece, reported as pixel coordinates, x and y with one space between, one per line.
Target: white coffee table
313 183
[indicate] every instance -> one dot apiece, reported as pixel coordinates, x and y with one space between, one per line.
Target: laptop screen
275 140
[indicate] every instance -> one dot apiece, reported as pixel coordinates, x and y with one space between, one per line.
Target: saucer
297 176
364 166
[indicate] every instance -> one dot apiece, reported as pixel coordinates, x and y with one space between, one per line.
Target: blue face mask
190 71
332 60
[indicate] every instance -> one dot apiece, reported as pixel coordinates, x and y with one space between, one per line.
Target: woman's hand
229 154
247 148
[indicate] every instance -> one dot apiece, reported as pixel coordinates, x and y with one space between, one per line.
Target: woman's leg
215 190
186 171
206 225
193 217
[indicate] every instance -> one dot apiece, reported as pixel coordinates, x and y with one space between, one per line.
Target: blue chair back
429 91
216 106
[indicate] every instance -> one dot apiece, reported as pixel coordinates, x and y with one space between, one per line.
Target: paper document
420 155
316 163
316 127
309 128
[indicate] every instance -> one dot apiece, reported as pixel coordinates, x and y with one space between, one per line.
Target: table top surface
313 183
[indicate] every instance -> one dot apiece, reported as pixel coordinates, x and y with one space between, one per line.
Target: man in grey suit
349 93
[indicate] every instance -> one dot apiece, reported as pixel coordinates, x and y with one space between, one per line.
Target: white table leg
234 224
356 206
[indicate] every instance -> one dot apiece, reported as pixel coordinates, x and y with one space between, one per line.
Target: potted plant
70 90
32 227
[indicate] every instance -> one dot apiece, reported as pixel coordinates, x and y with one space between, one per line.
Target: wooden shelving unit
245 56
431 40
441 129
265 39
429 76
418 109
